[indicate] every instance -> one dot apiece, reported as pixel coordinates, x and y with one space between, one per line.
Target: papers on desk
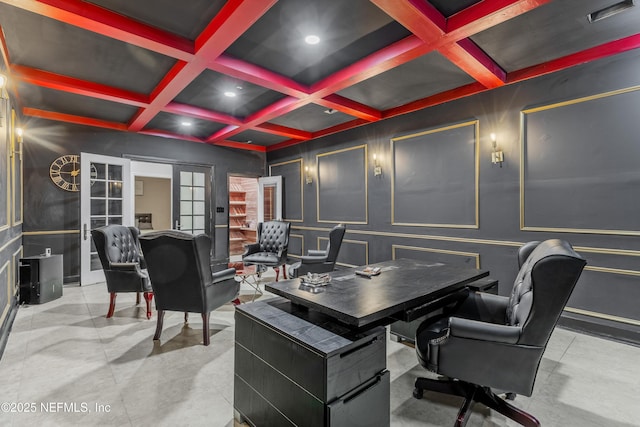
369 271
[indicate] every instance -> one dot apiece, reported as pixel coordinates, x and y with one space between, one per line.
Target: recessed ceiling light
185 123
312 39
230 94
249 141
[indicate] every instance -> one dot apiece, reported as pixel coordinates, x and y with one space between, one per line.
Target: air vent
601 14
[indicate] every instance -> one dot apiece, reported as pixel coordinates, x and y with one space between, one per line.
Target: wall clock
65 172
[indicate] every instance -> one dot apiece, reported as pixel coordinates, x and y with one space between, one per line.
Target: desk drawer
368 405
324 377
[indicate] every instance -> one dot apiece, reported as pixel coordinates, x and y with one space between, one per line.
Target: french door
192 198
105 198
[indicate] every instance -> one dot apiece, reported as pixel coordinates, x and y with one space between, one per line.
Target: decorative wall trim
10 242
14 263
16 206
365 178
603 316
356 242
562 229
434 250
5 151
9 290
476 165
51 232
301 237
299 160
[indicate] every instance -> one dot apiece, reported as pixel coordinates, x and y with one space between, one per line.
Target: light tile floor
66 364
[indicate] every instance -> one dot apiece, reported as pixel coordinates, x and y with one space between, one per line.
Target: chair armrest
313 259
125 266
484 307
226 274
251 248
316 252
473 329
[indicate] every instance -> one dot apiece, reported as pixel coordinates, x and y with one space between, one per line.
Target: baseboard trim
603 328
6 326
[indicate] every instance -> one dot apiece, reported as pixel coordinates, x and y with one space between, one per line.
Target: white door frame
88 276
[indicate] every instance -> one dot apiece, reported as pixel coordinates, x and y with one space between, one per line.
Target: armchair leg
277 270
186 317
112 304
137 298
159 325
205 329
473 393
284 271
148 296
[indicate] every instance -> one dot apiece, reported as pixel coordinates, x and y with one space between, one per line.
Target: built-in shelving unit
240 217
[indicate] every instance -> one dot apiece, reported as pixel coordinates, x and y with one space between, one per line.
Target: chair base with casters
148 296
472 394
488 342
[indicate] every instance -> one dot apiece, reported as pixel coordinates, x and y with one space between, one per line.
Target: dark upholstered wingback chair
179 265
123 265
271 248
320 261
497 342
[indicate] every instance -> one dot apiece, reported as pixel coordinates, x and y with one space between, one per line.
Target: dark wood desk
318 357
359 301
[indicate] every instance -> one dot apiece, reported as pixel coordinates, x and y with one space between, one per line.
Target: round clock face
65 172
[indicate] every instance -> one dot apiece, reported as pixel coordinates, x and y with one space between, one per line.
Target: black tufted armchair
122 262
271 247
179 265
496 342
320 261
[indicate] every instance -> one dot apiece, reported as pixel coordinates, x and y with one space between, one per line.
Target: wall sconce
17 142
377 169
307 176
497 156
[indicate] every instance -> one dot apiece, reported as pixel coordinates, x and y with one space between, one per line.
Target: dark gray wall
10 216
579 183
52 215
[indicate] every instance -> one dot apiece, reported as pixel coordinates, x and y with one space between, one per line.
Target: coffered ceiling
239 73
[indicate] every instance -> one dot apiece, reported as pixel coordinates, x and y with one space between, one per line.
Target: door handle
177 225
86 232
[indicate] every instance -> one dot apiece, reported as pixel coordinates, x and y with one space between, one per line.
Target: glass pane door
192 199
104 199
269 198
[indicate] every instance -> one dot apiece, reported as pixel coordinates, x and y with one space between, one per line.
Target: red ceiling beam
241 145
257 75
486 14
77 86
350 107
102 21
597 52
423 20
230 23
70 118
200 113
274 110
275 129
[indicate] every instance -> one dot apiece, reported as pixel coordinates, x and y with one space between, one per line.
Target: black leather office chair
320 261
123 265
271 248
179 265
496 342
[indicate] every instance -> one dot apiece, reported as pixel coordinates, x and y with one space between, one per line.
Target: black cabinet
40 279
297 367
